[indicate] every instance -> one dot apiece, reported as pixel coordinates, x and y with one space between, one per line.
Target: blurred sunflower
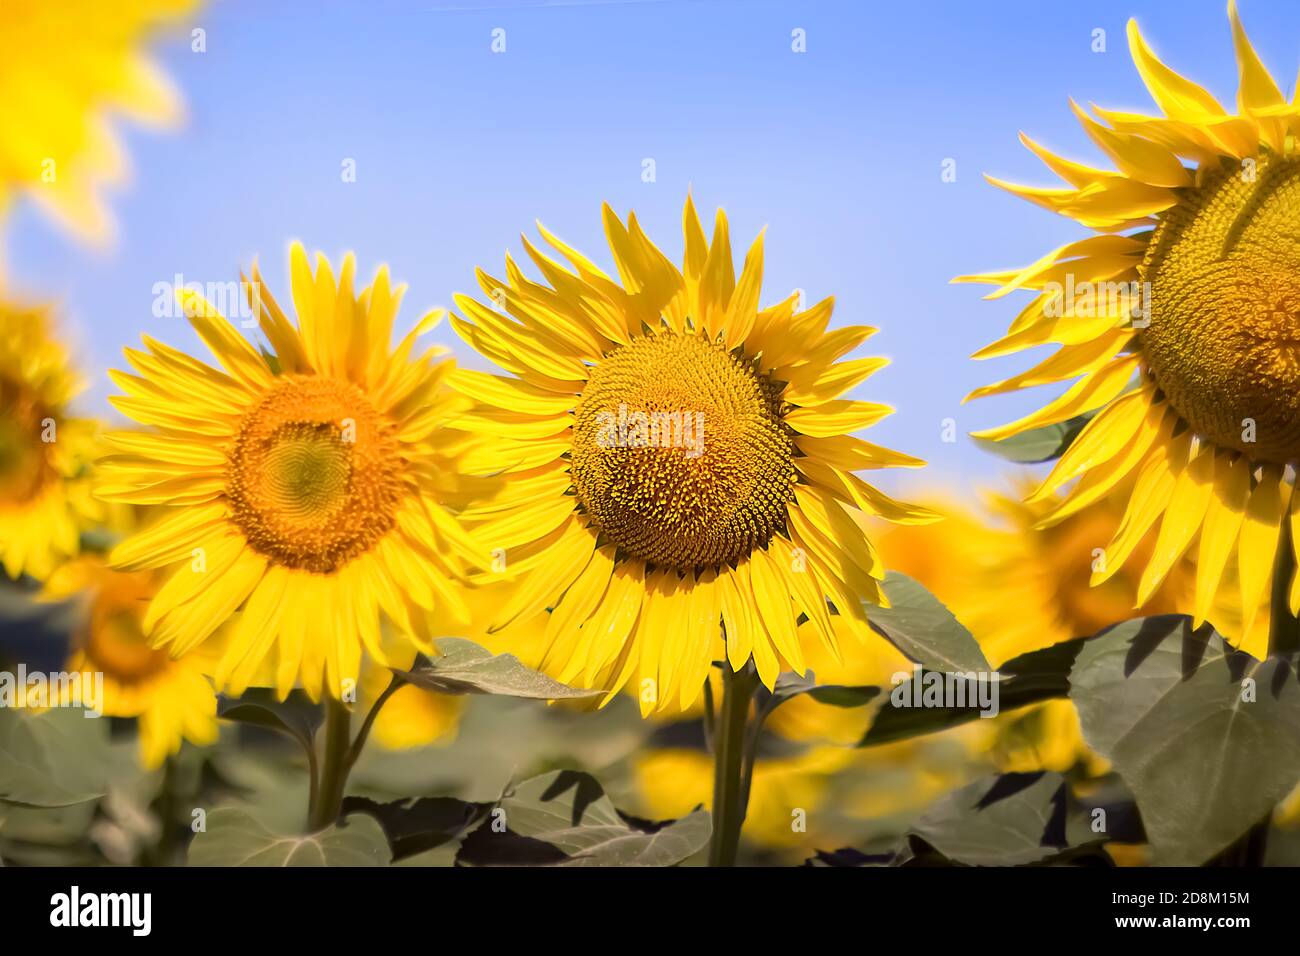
63 68
785 796
1046 575
676 456
45 452
1199 308
305 483
415 717
171 697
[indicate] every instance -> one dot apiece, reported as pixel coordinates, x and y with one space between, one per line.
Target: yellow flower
1023 589
1197 305
676 455
171 697
784 791
306 483
63 68
45 452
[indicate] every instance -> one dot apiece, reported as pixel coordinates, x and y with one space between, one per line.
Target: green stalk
341 754
1284 628
325 808
730 786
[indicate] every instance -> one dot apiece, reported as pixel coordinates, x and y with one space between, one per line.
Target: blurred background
429 135
839 150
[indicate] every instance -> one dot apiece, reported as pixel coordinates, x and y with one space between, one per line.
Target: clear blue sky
458 150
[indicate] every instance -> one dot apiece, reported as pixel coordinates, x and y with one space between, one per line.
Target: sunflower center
1223 342
116 644
24 457
680 454
315 477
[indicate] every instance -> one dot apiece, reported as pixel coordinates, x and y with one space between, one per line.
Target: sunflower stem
729 784
325 809
1283 627
354 752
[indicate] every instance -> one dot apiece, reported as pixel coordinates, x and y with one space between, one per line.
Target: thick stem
334 767
1284 628
729 783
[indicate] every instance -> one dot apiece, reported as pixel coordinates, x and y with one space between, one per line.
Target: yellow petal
1223 519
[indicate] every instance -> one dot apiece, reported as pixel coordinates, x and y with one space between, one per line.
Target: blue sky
837 150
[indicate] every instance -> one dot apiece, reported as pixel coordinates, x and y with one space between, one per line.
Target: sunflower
1046 576
45 451
63 67
306 483
171 697
676 456
1177 320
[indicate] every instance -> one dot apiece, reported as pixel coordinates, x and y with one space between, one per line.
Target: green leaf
233 838
1172 710
296 716
52 759
849 858
1009 820
1025 680
413 826
1038 444
464 667
563 818
923 629
789 686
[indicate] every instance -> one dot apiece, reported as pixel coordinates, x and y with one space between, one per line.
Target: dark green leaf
563 818
52 759
1028 679
464 667
1010 820
923 629
1038 444
413 825
790 685
848 857
296 716
1207 738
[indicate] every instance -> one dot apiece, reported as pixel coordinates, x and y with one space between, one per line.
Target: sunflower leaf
52 759
1207 738
233 838
1010 820
296 716
464 667
413 826
564 818
790 685
923 629
1028 679
1037 445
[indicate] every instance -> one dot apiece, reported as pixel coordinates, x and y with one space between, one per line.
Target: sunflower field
619 557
